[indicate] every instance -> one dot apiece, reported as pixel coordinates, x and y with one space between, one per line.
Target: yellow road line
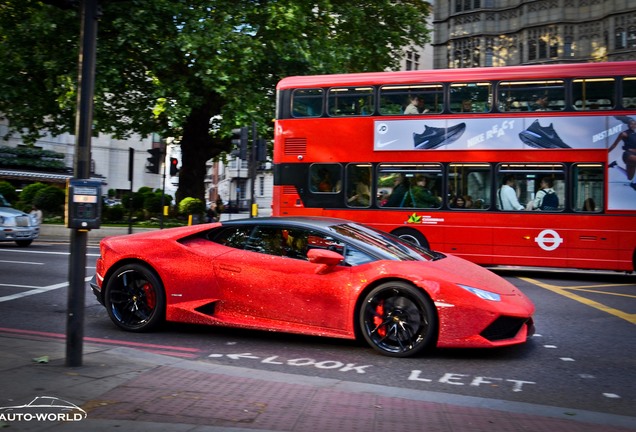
564 292
602 292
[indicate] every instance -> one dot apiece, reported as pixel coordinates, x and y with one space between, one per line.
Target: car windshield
4 202
388 244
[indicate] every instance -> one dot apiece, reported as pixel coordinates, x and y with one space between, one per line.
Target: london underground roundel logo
548 240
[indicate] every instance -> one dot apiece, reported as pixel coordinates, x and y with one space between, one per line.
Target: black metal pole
83 133
130 200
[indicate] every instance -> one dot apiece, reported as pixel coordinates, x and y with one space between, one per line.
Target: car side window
354 257
267 240
279 241
234 237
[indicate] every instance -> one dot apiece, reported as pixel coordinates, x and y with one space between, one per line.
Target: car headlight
8 221
482 294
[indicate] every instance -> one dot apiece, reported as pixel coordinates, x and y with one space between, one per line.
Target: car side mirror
325 257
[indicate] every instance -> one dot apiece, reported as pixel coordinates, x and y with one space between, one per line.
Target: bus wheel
411 235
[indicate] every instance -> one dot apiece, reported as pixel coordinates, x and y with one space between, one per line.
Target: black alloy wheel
135 299
398 320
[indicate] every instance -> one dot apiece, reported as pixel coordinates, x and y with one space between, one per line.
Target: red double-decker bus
528 165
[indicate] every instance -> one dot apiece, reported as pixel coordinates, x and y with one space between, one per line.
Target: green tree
51 200
30 191
7 190
190 69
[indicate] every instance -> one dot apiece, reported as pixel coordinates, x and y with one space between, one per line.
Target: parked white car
16 225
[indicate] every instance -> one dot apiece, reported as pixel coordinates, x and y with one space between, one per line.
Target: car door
271 280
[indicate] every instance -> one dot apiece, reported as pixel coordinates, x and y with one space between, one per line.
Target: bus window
353 101
395 99
587 187
471 97
325 178
359 185
525 181
307 103
629 92
593 93
409 185
469 186
531 96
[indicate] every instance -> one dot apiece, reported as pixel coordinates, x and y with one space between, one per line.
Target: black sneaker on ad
544 137
433 137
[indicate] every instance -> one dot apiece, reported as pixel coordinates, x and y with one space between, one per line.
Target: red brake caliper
379 318
151 300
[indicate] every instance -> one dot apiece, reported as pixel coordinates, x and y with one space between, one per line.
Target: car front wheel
134 298
398 320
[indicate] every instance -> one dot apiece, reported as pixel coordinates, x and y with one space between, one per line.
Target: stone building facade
471 33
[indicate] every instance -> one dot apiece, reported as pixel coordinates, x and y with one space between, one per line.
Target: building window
467 5
412 60
554 47
532 50
631 37
489 57
567 47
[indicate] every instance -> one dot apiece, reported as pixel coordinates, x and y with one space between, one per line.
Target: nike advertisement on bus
615 133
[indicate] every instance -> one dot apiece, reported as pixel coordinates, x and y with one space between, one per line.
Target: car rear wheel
134 298
398 320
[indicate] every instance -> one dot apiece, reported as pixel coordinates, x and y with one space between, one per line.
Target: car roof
299 221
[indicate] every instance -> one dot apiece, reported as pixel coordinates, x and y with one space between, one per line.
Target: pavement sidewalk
133 390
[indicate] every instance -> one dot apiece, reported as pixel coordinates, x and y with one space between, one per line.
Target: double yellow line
567 292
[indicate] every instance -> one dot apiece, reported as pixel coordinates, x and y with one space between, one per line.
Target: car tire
398 319
135 298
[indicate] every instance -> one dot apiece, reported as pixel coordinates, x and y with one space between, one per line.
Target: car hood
454 270
10 211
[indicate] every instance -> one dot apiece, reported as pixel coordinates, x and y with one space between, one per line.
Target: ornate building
470 33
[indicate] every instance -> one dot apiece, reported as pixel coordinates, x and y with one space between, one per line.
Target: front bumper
97 290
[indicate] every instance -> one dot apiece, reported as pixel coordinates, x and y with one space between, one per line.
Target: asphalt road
582 357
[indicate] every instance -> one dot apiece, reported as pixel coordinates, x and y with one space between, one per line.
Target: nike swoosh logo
380 144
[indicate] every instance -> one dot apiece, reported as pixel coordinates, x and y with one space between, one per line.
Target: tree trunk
197 148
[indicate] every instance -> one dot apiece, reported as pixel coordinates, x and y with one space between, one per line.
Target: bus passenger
458 202
589 205
362 194
422 196
545 190
416 106
540 103
324 181
383 197
507 194
400 189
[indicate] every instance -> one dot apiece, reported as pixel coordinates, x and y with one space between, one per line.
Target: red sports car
307 275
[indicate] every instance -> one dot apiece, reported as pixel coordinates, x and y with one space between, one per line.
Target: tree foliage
190 69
